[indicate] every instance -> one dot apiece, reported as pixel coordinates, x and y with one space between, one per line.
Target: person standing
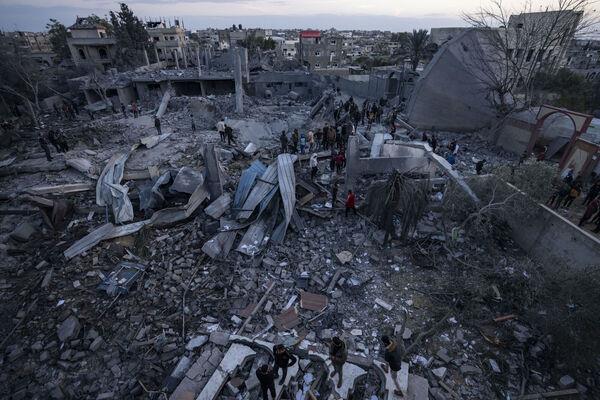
124 110
350 202
157 125
393 359
590 210
434 142
134 109
573 194
283 360
221 130
310 137
193 123
266 378
338 353
295 139
283 139
334 193
318 139
314 166
44 144
229 134
302 142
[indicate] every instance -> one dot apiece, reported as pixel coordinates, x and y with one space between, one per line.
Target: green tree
572 90
131 35
417 41
58 39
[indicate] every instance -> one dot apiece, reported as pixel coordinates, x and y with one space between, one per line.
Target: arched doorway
580 121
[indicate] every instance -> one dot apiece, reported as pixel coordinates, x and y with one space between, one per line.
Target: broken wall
449 94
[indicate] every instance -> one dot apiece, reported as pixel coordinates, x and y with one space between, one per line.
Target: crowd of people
338 354
567 189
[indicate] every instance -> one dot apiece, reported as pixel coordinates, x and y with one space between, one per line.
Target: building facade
90 45
317 50
170 42
583 58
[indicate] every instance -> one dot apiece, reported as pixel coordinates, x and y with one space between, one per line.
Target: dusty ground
143 333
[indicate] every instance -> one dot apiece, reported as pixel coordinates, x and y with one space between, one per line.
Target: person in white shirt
314 166
221 129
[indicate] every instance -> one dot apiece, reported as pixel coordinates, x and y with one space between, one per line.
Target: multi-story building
90 44
583 58
170 42
289 49
319 50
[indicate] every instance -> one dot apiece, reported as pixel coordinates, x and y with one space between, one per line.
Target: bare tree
515 45
22 78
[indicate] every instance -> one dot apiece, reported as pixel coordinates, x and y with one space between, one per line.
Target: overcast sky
393 15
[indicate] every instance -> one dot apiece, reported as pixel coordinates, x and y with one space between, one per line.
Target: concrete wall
449 94
552 238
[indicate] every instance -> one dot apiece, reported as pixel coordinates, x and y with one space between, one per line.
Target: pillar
146 59
185 64
156 54
176 59
237 73
198 60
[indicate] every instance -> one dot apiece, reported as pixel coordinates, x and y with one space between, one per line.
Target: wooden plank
306 199
219 206
60 189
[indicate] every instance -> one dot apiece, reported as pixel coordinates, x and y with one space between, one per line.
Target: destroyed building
91 45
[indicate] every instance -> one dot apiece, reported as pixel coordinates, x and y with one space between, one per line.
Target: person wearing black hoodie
283 360
267 381
394 359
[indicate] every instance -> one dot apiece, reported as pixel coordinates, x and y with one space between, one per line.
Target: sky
392 15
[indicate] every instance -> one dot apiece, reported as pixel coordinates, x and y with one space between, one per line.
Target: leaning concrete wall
449 95
552 238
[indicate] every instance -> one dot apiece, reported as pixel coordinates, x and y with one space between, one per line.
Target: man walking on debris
267 381
221 130
193 123
350 202
393 359
124 110
284 142
283 360
229 134
295 139
157 125
314 166
134 109
44 144
338 354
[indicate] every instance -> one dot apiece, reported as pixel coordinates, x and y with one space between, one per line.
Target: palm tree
417 43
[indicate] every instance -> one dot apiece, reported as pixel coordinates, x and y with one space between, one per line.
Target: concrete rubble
193 257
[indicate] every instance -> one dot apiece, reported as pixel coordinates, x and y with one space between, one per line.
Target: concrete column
244 57
198 60
146 59
156 54
185 64
239 90
352 161
176 59
202 88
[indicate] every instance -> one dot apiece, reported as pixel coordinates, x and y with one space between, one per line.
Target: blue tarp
247 180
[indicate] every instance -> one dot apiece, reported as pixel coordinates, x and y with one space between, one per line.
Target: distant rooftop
310 34
85 23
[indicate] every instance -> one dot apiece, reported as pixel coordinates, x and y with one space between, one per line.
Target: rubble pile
230 250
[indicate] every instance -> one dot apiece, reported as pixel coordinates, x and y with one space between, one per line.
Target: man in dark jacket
44 144
267 381
283 360
229 134
393 357
284 142
338 353
157 125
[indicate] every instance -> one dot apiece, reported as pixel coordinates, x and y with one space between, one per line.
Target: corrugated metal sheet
262 188
259 233
287 184
219 206
247 180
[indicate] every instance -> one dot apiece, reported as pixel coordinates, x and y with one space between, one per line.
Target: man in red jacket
350 202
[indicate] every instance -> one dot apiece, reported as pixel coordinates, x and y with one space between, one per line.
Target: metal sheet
259 233
213 176
88 241
219 206
109 191
262 188
247 180
287 184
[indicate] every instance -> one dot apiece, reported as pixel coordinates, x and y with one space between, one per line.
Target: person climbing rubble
338 353
221 130
157 125
350 202
266 377
44 144
134 109
393 358
295 140
283 360
314 166
283 139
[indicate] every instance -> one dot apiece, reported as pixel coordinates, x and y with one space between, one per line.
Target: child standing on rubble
221 130
394 361
338 354
350 202
267 381
283 360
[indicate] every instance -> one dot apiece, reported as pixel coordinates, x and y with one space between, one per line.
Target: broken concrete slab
387 306
220 338
187 180
23 232
219 206
196 342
